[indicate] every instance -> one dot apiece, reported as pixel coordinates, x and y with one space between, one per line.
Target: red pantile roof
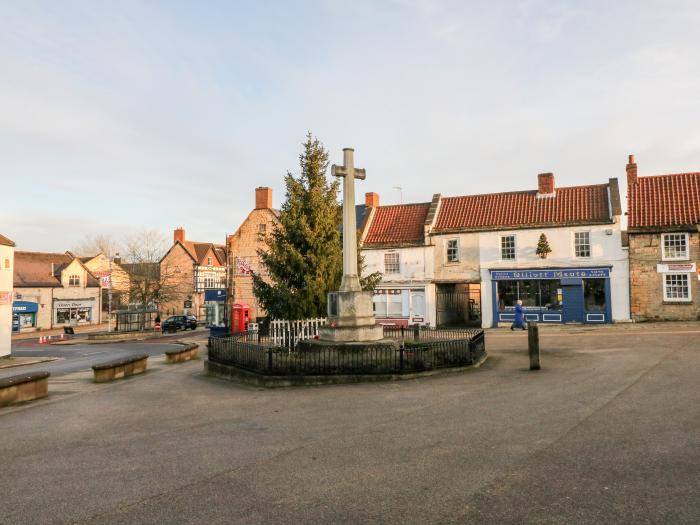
199 250
4 241
398 224
524 209
664 200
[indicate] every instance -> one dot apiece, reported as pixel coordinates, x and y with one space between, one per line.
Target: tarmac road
607 432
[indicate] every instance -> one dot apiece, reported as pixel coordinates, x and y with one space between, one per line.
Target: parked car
179 322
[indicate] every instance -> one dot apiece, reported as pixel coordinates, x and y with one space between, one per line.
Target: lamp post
109 294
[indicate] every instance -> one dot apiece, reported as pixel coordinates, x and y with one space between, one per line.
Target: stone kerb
23 387
186 353
120 368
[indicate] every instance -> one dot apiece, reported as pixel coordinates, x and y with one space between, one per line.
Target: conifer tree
543 247
303 258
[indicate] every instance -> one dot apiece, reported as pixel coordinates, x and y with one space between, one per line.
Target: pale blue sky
117 115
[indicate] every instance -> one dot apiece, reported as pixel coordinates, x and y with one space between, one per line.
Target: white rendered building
7 250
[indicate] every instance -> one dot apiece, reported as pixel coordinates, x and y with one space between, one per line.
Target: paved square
607 432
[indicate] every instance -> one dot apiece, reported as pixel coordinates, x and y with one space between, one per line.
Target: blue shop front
553 295
215 307
24 315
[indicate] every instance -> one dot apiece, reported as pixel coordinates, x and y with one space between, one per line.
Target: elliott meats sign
567 273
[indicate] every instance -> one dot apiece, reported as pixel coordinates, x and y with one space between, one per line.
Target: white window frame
515 247
590 245
447 251
684 257
210 261
398 263
688 299
74 280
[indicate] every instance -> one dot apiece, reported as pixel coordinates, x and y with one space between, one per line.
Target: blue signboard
563 273
214 295
22 307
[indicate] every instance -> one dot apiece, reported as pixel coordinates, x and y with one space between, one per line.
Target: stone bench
120 368
23 387
185 353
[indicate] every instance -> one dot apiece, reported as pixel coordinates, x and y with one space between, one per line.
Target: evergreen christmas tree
304 255
543 247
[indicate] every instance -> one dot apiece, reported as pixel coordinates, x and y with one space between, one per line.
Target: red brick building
664 245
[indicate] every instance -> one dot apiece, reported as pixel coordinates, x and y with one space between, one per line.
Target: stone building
664 245
395 243
7 250
54 289
110 274
194 274
243 249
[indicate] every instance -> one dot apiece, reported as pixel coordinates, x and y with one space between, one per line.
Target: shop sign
214 295
567 273
24 307
5 298
387 292
84 303
675 268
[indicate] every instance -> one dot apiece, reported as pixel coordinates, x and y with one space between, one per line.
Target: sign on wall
83 303
566 273
676 268
5 298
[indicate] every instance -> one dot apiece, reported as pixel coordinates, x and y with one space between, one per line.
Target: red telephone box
240 317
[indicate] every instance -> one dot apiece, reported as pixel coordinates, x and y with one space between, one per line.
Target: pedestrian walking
519 320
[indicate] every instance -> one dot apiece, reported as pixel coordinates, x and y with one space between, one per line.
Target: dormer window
74 280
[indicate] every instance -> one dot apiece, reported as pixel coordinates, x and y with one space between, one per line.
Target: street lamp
109 294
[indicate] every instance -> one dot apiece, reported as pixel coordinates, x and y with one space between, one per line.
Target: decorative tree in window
543 247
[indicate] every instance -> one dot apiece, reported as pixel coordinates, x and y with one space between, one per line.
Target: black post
401 356
533 344
269 359
416 331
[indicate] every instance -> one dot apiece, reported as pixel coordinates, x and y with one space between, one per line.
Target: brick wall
245 244
646 284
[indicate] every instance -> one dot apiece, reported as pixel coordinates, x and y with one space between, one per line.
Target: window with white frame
677 287
582 244
209 261
74 280
453 250
674 246
508 247
208 281
392 263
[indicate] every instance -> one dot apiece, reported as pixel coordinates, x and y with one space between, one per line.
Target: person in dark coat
519 321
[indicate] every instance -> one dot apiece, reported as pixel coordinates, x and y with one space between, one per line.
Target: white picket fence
283 332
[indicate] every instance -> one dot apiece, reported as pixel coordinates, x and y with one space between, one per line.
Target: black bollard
533 344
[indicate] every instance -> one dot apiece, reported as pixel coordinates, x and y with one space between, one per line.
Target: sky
119 116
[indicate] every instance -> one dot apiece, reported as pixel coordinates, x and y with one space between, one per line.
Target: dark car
179 322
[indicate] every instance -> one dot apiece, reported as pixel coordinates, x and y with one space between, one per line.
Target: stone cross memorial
350 310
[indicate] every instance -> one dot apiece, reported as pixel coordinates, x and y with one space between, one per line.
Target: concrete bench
23 387
120 368
185 353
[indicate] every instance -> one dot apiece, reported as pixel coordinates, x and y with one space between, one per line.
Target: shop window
582 244
675 246
533 293
74 280
452 251
380 306
594 295
395 305
417 303
391 263
677 287
508 248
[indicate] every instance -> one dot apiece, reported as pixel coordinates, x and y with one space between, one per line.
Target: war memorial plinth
351 347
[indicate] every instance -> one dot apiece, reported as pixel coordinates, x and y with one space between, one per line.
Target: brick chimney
178 235
631 170
372 199
263 198
545 184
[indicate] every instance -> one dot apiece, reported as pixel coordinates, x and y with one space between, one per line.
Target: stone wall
177 273
244 246
646 283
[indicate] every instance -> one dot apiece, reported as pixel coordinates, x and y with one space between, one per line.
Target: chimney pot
545 183
263 198
179 235
631 170
372 199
